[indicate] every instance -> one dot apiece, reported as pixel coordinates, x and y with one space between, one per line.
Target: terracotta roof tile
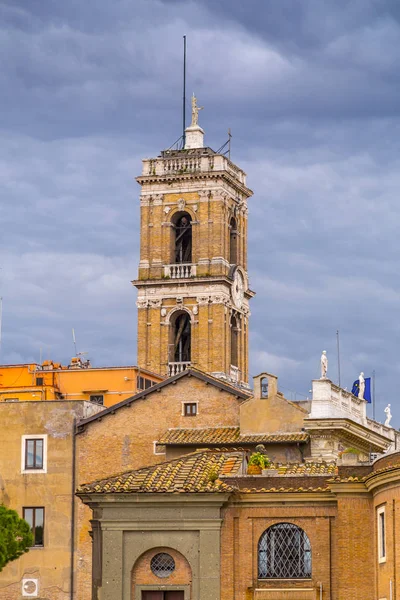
283 490
226 435
305 469
363 478
191 473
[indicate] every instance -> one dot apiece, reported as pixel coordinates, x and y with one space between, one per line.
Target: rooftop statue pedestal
338 420
194 137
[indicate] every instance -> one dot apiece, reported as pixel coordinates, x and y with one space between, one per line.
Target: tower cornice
151 179
178 283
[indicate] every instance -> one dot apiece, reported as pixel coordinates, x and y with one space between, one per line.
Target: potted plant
257 463
350 456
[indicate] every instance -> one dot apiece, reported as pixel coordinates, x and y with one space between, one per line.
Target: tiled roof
367 476
227 435
283 490
197 472
209 471
306 469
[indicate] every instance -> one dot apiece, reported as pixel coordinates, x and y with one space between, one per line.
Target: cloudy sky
311 91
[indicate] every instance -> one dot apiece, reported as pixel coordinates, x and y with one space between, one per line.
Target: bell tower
193 292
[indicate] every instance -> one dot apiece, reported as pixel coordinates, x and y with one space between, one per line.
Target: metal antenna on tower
74 340
338 354
184 93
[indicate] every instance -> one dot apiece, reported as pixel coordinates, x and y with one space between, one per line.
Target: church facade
178 511
198 487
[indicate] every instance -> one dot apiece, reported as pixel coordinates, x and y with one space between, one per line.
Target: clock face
238 289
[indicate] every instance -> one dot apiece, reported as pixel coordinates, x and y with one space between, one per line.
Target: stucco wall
50 564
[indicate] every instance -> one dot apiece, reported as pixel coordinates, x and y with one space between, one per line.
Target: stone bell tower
193 293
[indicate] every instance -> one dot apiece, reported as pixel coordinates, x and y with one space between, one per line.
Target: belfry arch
234 341
180 341
233 242
181 238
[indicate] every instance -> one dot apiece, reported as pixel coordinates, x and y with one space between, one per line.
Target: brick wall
241 532
124 440
353 568
389 498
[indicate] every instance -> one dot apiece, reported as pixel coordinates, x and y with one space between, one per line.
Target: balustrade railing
173 165
174 368
182 165
179 270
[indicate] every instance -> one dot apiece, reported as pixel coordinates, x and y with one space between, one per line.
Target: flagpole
184 95
373 394
338 354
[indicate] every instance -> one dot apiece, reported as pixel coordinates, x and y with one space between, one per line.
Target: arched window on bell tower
234 341
233 245
182 239
180 342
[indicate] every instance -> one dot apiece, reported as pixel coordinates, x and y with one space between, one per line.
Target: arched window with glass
284 552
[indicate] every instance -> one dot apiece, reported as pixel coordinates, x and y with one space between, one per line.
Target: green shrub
260 460
15 536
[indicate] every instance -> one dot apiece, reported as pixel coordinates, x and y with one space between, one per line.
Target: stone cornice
148 500
349 488
364 436
162 524
167 178
389 477
277 498
184 282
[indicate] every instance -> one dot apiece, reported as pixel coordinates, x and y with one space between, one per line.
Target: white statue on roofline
361 386
324 364
195 111
388 414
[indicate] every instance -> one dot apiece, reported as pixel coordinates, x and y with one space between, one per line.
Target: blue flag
367 391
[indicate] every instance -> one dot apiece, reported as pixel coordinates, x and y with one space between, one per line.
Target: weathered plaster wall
271 414
52 490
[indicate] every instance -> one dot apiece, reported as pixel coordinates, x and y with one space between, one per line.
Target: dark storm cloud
311 92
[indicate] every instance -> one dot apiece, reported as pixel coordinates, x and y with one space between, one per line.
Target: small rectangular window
39 380
97 399
381 534
190 409
34 454
140 383
34 516
147 383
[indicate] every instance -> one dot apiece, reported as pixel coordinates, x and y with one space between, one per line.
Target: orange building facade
104 386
